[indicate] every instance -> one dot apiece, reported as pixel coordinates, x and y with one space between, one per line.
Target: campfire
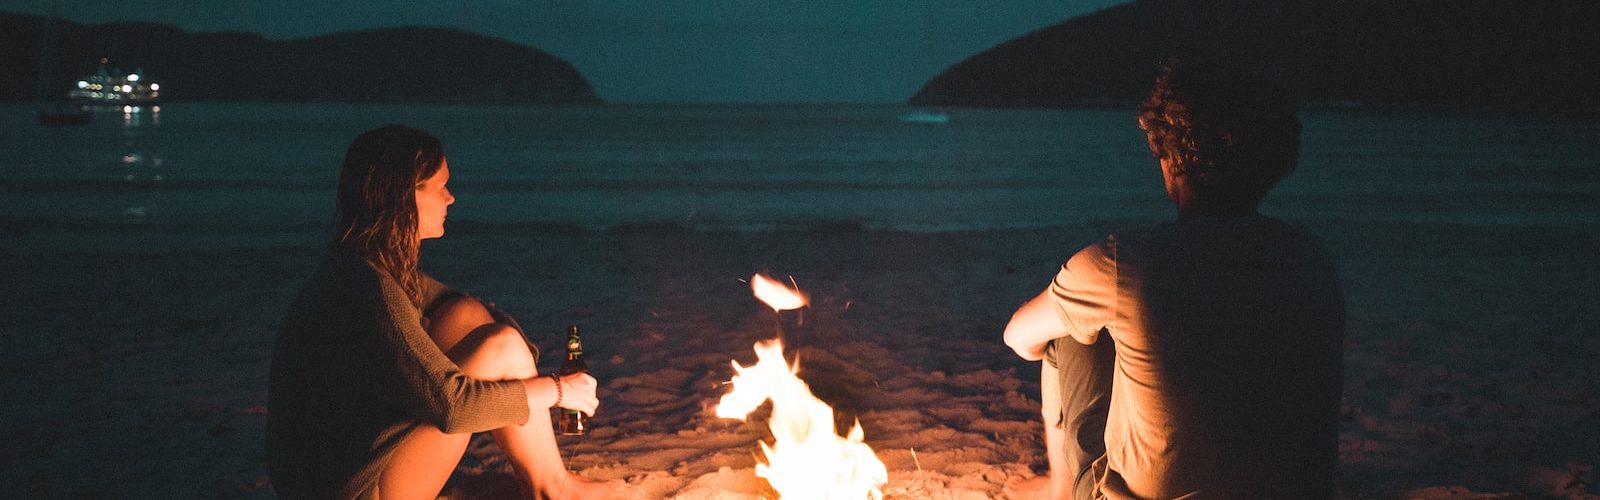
807 458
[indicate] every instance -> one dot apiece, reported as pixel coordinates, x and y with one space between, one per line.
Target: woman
380 373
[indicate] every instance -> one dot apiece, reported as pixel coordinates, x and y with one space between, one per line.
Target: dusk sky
664 50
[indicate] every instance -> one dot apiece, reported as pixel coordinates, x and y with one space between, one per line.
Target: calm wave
266 171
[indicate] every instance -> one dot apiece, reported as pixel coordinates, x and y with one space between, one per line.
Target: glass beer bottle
572 422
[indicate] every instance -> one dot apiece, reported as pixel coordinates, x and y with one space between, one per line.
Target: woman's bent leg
421 464
530 447
494 351
424 459
502 354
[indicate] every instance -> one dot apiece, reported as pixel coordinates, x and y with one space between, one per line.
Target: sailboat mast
46 51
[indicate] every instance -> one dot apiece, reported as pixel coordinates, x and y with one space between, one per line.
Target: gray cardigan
354 371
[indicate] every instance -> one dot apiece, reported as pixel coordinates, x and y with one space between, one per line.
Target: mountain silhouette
1458 54
390 64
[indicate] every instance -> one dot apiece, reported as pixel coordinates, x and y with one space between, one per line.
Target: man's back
1228 334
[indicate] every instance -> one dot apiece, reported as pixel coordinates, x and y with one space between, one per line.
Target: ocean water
215 174
148 259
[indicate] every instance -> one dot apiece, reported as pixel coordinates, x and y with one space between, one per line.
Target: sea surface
224 174
147 260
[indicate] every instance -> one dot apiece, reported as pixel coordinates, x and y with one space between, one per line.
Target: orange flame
775 294
806 459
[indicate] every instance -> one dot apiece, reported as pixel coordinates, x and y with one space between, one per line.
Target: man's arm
1080 301
1034 325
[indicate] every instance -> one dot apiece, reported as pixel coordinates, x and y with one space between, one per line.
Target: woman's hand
578 393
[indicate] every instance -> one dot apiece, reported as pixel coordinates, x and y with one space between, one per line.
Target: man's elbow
1020 344
1011 340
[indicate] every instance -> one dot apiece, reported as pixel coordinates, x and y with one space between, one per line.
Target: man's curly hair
1231 133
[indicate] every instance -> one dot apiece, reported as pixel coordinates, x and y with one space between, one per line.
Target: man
1200 357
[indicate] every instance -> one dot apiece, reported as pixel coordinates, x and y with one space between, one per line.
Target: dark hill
1471 54
395 64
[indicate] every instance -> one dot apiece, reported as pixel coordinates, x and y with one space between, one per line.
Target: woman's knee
502 354
454 321
512 350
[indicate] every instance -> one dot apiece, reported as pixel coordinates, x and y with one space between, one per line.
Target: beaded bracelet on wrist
557 379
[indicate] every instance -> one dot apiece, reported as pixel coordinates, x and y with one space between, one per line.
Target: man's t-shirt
1229 338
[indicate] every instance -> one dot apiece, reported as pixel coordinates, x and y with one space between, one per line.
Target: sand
136 368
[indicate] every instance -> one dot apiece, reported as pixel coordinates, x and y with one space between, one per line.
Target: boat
112 88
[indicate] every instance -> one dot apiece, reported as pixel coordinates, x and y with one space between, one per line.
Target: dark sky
664 50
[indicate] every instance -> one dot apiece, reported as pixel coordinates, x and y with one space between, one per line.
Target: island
406 64
1462 54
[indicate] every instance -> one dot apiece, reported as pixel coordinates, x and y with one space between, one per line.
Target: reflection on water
138 116
138 163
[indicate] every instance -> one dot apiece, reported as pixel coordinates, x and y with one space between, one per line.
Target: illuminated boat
113 88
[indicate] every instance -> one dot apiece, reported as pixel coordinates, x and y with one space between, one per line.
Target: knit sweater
353 372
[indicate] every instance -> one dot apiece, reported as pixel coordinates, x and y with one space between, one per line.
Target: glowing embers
806 459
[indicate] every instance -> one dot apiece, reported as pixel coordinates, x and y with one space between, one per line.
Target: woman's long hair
378 200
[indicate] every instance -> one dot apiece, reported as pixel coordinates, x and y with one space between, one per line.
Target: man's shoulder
1257 244
1256 228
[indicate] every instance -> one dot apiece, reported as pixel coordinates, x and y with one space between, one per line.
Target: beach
138 343
152 378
